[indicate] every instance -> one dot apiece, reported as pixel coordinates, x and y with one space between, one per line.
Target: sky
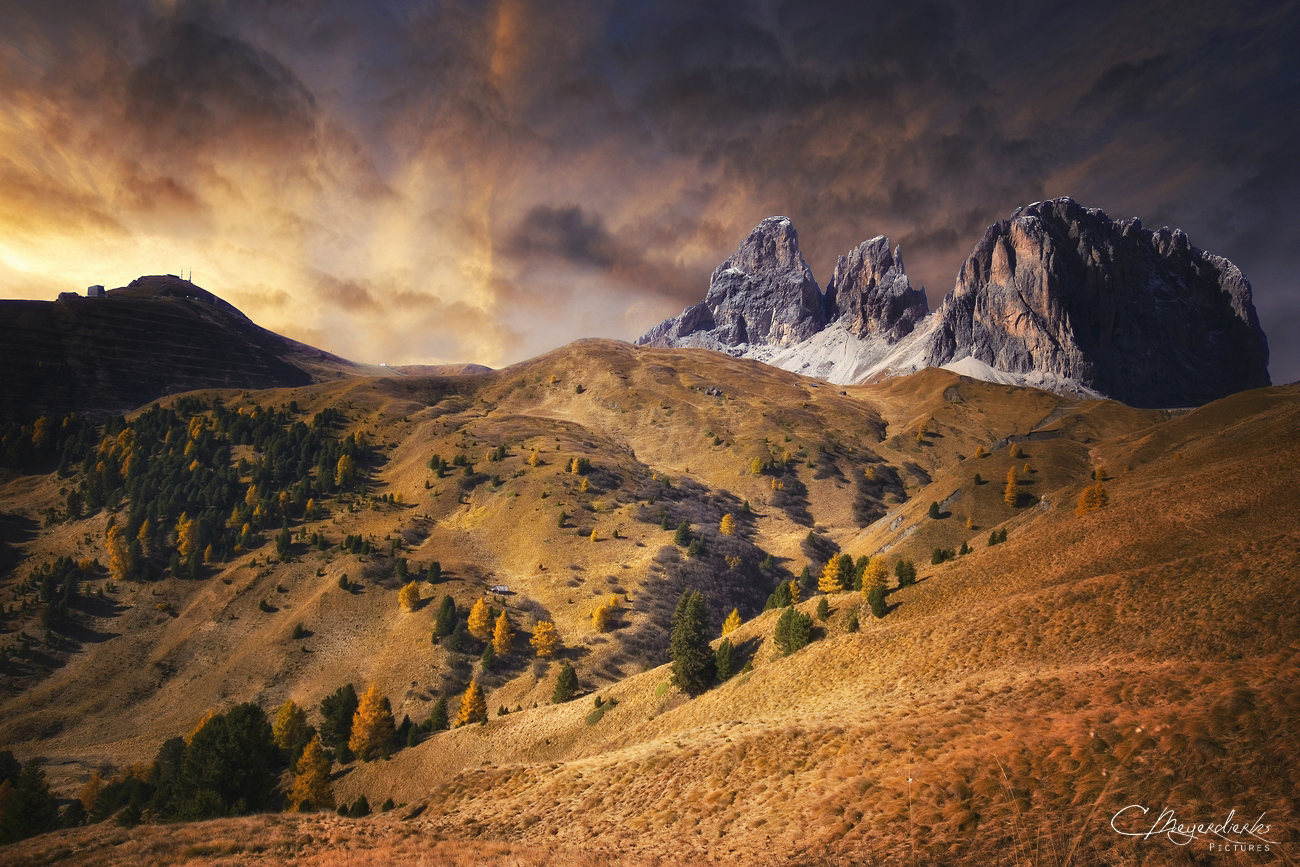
424 182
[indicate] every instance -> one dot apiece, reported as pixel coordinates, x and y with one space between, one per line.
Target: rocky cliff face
1143 317
764 295
1058 296
870 293
764 303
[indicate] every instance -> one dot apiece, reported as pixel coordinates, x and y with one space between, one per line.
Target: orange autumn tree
480 620
1012 493
311 782
1094 498
545 640
502 635
409 596
473 707
372 726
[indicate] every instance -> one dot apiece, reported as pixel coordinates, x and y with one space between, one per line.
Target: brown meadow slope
1142 654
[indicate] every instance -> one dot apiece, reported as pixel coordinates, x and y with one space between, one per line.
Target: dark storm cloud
565 232
1129 87
537 172
203 87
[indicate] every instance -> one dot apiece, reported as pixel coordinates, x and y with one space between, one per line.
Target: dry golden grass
1149 652
311 841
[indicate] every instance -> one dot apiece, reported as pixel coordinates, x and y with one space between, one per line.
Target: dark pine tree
689 646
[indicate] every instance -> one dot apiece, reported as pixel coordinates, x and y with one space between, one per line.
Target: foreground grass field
1008 705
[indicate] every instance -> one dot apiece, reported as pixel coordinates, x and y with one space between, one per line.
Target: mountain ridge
1058 296
157 336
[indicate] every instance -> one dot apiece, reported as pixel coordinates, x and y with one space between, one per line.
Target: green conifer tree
692 658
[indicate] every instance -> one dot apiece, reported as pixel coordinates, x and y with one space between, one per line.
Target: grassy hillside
1143 653
159 336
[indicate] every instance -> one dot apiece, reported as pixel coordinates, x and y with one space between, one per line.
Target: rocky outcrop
764 295
1064 292
870 293
1059 296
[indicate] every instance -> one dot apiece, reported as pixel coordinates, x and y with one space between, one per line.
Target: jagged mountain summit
764 295
870 293
1057 296
763 303
1063 292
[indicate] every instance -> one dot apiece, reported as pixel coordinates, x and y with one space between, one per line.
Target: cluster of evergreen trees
230 765
41 445
58 587
186 497
26 806
482 629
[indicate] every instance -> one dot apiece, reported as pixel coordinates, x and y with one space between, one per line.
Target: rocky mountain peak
764 294
1057 296
870 293
1064 292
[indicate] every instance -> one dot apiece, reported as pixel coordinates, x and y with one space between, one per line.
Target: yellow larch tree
119 557
290 723
794 592
830 580
409 596
732 623
1093 498
545 640
89 793
535 459
1011 495
473 707
502 635
727 526
344 471
480 620
145 538
372 725
602 619
187 535
311 781
876 575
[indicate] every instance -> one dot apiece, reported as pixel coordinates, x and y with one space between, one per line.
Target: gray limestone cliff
764 295
870 293
1139 316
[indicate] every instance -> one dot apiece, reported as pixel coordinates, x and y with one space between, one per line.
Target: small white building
95 291
499 589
